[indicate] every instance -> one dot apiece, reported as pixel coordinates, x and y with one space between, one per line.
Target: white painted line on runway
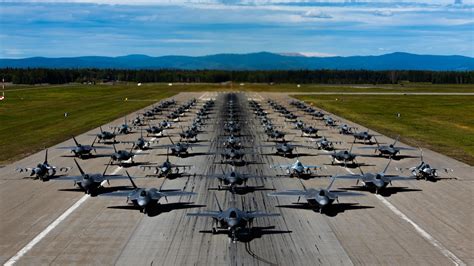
421 231
53 225
46 231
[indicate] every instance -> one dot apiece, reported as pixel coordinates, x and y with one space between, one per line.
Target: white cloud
383 13
316 14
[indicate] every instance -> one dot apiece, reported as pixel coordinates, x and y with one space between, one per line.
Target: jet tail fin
217 202
79 167
386 167
131 180
331 183
75 141
46 157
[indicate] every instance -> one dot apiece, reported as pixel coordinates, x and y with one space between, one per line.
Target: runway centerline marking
448 254
54 224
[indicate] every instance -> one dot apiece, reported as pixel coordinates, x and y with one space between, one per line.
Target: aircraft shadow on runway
330 211
101 191
158 209
386 192
248 234
245 190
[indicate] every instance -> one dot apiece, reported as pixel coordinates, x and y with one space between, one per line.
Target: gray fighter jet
376 181
141 143
166 168
124 128
426 171
179 149
365 136
297 169
147 198
121 157
91 183
232 220
105 136
388 150
43 171
84 151
320 198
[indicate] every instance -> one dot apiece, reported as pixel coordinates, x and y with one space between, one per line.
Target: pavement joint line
435 243
54 224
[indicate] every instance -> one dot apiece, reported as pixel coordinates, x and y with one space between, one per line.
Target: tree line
61 76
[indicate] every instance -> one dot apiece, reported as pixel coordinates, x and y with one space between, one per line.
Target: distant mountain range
253 61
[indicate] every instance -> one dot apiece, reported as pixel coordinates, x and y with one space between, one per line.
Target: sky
203 27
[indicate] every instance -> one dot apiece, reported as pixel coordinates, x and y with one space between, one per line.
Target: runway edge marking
53 225
421 231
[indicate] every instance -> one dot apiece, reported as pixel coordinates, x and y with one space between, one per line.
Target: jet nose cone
232 222
323 201
142 202
379 183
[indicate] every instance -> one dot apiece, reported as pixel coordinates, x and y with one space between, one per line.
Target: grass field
32 117
441 123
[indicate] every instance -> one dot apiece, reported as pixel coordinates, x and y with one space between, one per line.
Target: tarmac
413 223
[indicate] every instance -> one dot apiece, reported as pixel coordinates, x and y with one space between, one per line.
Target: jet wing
77 177
281 166
258 214
347 194
349 177
175 193
289 193
312 167
401 178
212 214
117 194
21 170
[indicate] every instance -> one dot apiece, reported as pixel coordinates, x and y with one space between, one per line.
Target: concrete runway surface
413 223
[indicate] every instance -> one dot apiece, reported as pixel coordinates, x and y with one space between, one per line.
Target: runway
415 222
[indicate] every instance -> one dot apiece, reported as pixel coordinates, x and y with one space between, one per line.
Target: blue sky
314 28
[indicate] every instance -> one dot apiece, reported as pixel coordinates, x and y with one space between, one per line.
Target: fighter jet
105 136
141 143
232 142
317 114
364 136
188 134
426 171
330 122
284 148
309 131
346 156
166 124
155 131
43 171
147 198
297 169
324 144
231 180
276 135
388 150
84 151
346 130
375 181
138 121
320 198
179 149
122 156
124 128
166 168
232 220
91 183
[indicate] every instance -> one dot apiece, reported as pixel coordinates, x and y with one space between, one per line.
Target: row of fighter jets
232 220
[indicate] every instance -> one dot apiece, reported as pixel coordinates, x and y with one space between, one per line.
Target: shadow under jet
158 209
246 235
242 190
100 191
386 192
331 211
